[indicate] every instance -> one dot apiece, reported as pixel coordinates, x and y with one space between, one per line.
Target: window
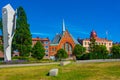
85 43
88 43
46 50
62 46
46 46
104 43
46 54
68 47
46 42
53 49
109 44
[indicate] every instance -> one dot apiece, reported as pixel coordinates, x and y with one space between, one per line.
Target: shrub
61 54
78 50
84 57
38 51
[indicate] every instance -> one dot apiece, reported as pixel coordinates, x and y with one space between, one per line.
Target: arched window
68 47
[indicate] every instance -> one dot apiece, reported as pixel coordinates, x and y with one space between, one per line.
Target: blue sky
80 16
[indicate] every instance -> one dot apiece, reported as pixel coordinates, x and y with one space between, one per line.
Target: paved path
40 64
97 60
35 64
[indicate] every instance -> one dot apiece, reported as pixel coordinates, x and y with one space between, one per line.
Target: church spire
63 26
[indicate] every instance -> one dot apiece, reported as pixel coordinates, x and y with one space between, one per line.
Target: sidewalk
41 64
34 64
97 60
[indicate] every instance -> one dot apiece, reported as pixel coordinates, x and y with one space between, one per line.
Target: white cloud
42 34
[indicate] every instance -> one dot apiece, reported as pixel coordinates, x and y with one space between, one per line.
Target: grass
82 71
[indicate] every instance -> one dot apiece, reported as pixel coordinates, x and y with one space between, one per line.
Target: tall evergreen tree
1 26
92 44
22 40
1 29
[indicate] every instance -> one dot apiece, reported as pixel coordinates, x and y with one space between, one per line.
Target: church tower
63 26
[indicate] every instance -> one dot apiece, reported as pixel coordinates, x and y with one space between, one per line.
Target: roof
97 39
40 39
76 42
56 39
101 39
94 35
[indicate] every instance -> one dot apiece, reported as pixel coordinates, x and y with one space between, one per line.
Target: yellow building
99 41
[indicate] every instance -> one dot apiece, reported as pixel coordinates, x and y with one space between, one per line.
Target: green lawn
73 71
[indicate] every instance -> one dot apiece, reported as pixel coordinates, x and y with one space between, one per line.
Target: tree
22 40
78 50
38 51
61 54
1 26
92 44
116 51
100 51
1 29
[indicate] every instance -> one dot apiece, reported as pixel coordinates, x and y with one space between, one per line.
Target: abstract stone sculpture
9 26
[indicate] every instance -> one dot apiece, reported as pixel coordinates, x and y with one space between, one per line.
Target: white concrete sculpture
9 26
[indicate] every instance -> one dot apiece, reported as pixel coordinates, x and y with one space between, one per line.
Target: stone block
62 63
53 72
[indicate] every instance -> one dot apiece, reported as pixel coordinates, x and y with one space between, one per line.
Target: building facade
1 43
64 40
99 41
45 42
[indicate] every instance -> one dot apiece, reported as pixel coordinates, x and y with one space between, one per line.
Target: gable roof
56 39
75 41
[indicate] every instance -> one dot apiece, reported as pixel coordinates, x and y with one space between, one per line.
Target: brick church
64 40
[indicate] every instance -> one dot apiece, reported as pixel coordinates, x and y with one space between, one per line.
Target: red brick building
64 40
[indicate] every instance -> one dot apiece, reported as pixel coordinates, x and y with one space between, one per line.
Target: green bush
1 59
61 54
38 51
84 57
78 50
20 58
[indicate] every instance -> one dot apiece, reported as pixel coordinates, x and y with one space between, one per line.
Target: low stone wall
62 63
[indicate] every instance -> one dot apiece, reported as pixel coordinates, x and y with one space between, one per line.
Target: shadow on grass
47 74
